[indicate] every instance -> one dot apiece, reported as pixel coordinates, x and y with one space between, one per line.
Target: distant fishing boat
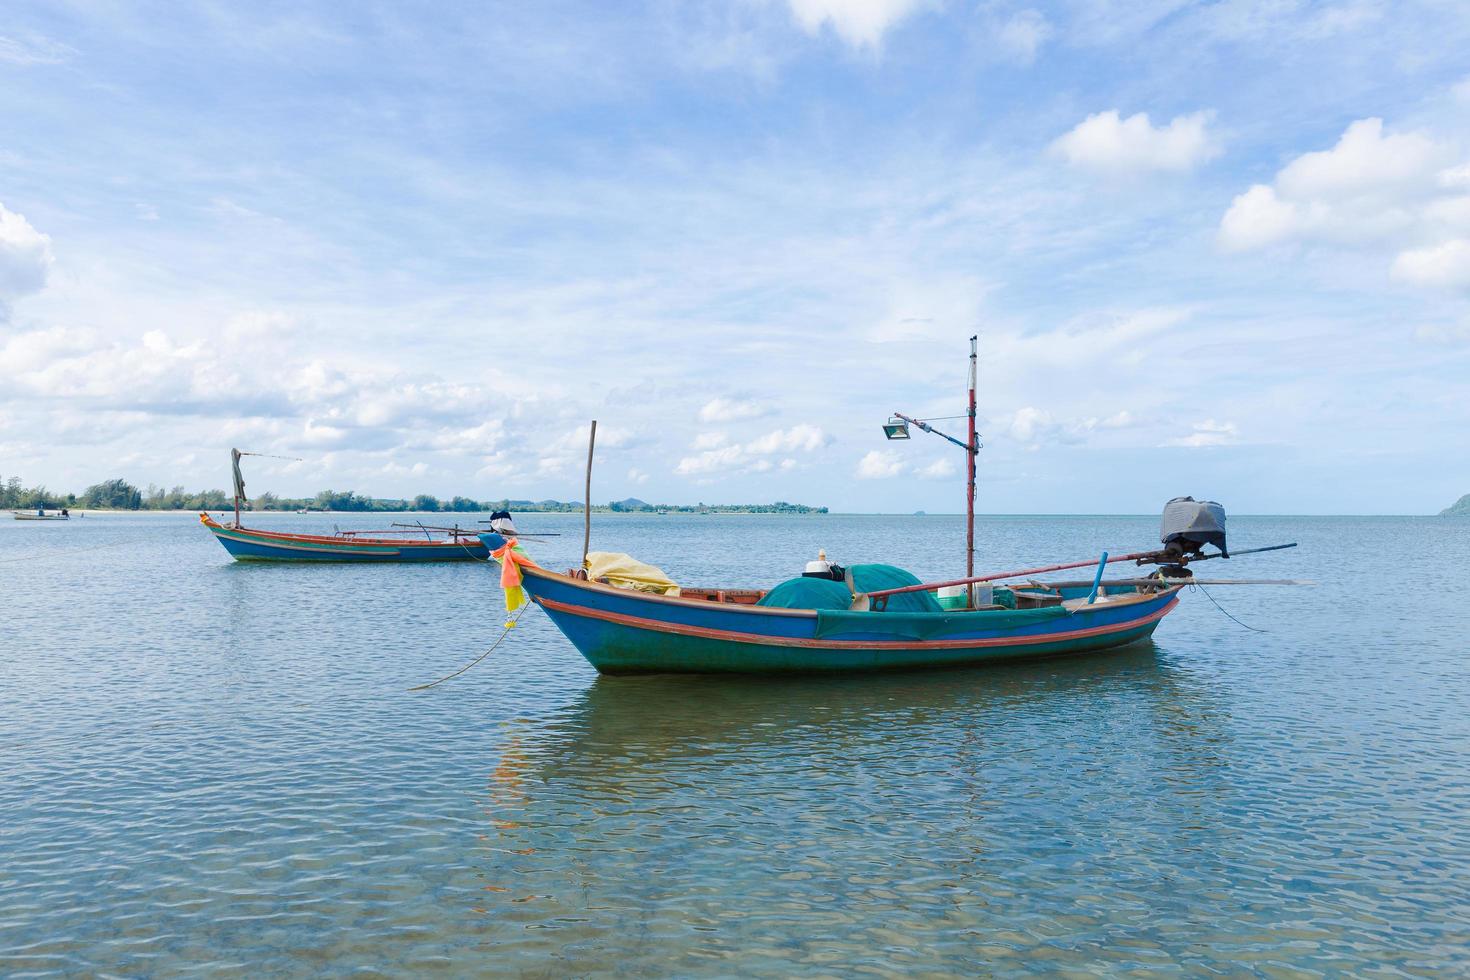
41 515
625 617
253 544
400 544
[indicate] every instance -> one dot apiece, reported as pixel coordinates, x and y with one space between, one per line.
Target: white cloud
637 476
860 23
879 464
33 50
1446 265
1455 178
732 410
25 258
711 461
1207 433
1364 159
1106 142
717 457
1033 427
1258 217
941 469
1023 35
798 438
710 440
1370 186
1030 424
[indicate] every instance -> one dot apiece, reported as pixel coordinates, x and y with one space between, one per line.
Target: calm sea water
217 768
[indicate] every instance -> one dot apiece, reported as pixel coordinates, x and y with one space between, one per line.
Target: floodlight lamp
895 428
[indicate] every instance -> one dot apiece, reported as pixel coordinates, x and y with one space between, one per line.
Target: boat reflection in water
842 817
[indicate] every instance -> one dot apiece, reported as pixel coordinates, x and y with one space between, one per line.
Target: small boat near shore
41 515
400 544
254 544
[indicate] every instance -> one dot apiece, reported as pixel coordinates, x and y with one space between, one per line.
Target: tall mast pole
970 452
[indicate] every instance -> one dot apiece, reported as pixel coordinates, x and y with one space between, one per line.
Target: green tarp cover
928 625
910 616
808 593
821 593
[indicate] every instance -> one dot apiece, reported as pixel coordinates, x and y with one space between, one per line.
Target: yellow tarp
627 572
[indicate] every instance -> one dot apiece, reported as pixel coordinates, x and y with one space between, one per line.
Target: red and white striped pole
972 449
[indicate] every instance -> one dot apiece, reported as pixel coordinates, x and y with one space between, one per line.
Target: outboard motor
502 525
1190 524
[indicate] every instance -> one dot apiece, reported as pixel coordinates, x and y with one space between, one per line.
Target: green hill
1460 508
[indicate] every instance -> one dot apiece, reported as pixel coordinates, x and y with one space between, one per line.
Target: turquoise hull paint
625 632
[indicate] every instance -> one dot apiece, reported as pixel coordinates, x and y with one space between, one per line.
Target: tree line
122 495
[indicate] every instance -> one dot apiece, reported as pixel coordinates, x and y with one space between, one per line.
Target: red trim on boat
682 629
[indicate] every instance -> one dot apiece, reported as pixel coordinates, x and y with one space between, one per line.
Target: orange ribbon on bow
511 558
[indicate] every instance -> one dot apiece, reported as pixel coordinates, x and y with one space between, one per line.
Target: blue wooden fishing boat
400 545
253 544
625 631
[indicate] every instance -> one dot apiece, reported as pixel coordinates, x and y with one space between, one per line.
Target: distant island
122 495
1460 508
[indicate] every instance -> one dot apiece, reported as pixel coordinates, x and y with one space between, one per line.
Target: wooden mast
235 455
587 496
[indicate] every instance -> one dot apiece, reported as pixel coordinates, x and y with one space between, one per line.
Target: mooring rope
448 677
473 556
1222 609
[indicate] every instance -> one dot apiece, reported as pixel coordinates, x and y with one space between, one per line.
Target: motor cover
1188 525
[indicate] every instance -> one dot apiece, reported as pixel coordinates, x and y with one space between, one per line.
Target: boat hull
245 544
624 632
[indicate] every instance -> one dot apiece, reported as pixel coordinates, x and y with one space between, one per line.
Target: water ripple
214 768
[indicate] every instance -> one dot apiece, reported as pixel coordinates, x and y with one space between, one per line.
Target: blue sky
1210 248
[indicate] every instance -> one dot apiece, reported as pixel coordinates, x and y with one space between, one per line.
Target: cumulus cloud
941 469
860 23
711 461
1373 185
1445 265
1207 433
158 376
752 456
1108 143
732 410
710 440
798 438
879 464
25 258
1033 427
1364 159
